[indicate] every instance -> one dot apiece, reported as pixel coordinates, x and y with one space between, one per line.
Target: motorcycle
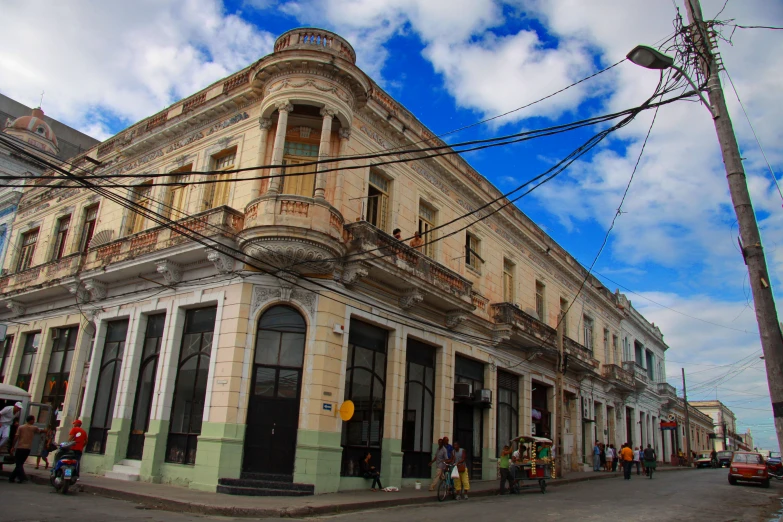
63 474
775 468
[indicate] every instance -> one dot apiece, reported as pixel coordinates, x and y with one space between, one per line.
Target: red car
748 466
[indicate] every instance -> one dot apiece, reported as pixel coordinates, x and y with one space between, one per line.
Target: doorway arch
276 383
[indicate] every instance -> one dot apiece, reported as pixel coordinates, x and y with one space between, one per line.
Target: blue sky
454 62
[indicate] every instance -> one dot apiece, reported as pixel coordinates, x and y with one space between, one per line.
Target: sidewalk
184 500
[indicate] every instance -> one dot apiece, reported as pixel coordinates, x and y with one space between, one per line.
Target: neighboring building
747 441
701 431
193 367
724 423
31 127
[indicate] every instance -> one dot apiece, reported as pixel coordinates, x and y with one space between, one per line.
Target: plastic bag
454 473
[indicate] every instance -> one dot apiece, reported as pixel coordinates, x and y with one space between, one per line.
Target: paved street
697 495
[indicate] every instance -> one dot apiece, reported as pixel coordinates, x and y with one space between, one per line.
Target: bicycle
446 486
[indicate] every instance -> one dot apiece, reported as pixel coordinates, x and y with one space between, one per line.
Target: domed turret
34 130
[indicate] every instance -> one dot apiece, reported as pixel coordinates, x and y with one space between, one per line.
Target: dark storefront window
5 354
190 391
419 414
508 409
469 417
148 365
31 342
106 390
365 379
57 375
540 412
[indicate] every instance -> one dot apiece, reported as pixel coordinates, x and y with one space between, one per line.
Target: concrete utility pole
687 422
560 441
752 251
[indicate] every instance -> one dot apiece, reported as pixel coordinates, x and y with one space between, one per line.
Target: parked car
703 460
724 458
748 466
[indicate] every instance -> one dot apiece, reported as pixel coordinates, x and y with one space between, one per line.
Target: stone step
259 492
271 477
266 484
131 463
120 475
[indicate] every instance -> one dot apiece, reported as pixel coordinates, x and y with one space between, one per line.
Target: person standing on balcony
417 242
397 233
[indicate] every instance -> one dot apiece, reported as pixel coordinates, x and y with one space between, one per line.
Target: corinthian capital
328 112
284 106
264 123
345 133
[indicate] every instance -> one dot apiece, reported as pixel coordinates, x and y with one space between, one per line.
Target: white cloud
107 61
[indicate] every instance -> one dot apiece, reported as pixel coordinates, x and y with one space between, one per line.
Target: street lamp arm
680 70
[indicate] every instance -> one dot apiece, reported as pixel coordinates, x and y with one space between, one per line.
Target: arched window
508 409
419 414
106 391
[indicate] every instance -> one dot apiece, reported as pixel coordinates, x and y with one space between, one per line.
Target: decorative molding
454 319
411 298
223 262
284 106
96 289
264 123
353 272
286 288
345 133
79 291
328 112
309 82
171 271
501 334
306 255
15 307
306 298
262 295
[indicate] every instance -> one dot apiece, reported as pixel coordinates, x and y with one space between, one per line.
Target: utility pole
560 441
752 251
687 422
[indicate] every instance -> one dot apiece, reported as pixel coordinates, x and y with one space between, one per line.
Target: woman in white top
609 457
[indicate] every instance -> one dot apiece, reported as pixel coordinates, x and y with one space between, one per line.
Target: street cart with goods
531 463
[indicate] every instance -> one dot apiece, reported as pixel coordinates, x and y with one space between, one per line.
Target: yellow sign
346 410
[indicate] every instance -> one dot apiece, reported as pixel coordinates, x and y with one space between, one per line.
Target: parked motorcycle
63 474
775 468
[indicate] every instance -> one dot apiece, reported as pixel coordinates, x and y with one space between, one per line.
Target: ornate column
345 136
324 151
264 124
283 108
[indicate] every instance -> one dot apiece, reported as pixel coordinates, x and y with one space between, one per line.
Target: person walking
650 459
610 458
369 472
23 442
7 417
641 459
637 459
505 458
441 455
459 458
47 442
626 455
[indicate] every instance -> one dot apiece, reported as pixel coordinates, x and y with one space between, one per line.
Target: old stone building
225 345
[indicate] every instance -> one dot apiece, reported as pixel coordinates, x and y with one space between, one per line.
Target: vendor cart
531 464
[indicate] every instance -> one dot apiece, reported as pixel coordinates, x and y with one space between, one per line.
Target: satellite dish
346 410
671 417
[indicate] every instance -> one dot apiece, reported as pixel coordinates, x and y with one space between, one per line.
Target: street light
650 58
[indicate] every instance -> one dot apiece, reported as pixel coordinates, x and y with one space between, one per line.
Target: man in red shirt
78 435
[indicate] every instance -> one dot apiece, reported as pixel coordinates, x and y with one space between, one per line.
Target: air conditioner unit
462 390
483 396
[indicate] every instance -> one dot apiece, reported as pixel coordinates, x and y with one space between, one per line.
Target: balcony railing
615 373
47 274
639 373
508 313
220 221
667 390
393 252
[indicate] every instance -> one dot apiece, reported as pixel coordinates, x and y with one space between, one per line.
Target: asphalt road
674 496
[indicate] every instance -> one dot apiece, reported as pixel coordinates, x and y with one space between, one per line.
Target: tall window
5 354
216 194
638 353
31 342
473 251
541 301
142 197
280 353
378 201
588 332
60 237
365 379
563 316
88 229
615 354
607 360
508 281
626 349
190 391
299 180
106 391
650 365
148 365
57 375
29 239
508 409
426 224
177 204
418 416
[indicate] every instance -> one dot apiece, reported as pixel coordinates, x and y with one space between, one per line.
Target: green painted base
391 462
489 464
318 460
154 451
219 454
116 442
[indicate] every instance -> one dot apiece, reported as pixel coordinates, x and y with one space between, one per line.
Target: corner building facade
224 345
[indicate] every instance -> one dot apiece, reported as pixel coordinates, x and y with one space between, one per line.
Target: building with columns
724 422
208 336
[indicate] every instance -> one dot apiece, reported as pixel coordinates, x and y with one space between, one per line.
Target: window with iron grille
63 224
59 370
419 413
378 201
27 251
106 390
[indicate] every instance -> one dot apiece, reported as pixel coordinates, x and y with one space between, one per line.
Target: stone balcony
42 276
524 331
620 378
639 375
313 39
413 277
295 233
667 392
